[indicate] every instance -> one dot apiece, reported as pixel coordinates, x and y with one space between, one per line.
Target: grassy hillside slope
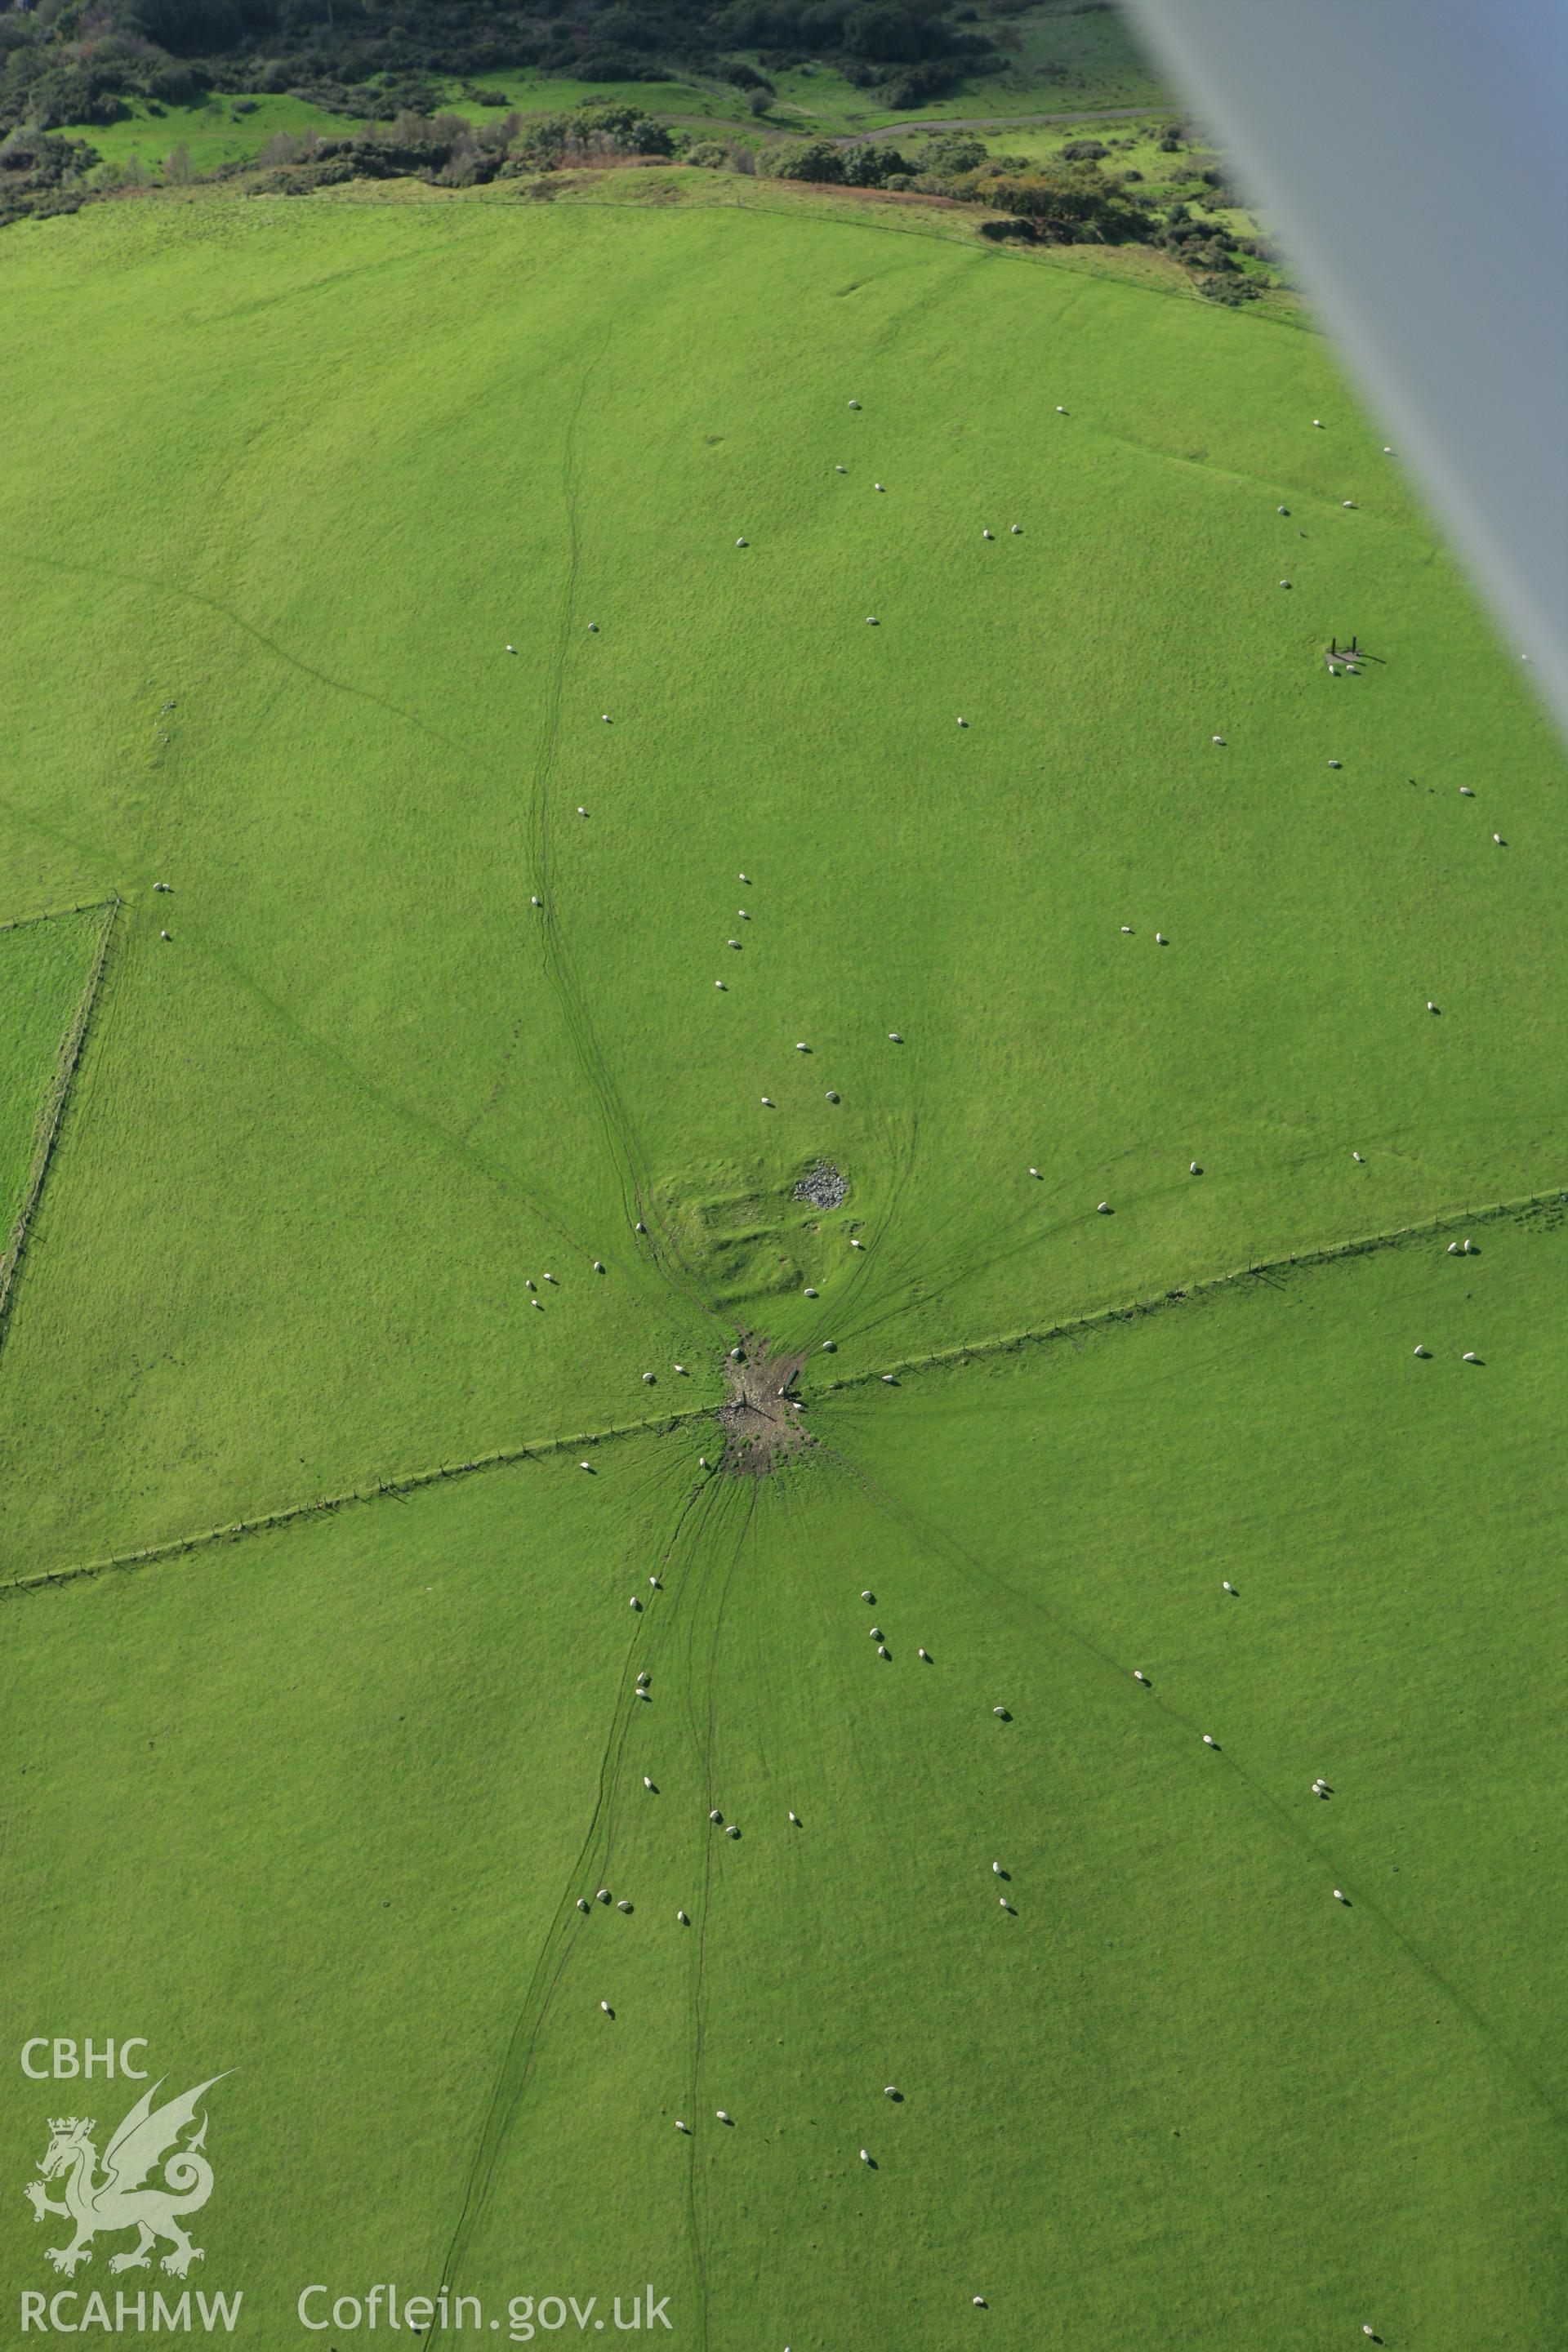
363 451
359 1772
383 576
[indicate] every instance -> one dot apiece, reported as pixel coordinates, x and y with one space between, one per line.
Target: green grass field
318 1803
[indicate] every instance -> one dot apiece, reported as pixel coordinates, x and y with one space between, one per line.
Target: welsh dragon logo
116 2200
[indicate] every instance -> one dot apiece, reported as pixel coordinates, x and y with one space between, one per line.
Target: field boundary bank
1332 1253
46 1132
502 1458
974 1350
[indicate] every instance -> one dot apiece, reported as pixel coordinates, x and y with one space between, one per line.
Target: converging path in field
719 798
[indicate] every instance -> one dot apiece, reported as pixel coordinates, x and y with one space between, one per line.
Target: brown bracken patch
761 1425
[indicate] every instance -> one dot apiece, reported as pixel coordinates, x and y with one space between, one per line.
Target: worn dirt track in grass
760 1424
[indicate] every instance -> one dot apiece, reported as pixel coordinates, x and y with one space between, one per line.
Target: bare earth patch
761 1425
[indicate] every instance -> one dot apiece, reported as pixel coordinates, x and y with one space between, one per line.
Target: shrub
708 155
805 159
1084 151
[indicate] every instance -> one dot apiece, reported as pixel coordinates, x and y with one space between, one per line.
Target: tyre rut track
937 1539
626 1154
560 1941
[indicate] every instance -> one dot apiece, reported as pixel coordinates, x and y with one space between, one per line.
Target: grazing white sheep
163 935
1036 1174
801 1047
1103 1209
964 723
582 1903
647 1380
511 649
598 1266
876 485
1357 1158
1336 763
646 1781
1139 1676
683 1919
741 542
1340 1895
871 621
1225 1585
1161 940
769 1101
537 899
894 1039
1061 410
998 1870
865 2155
1319 422
985 534
605 717
998 1710
1018 530
1127 930
1470 1357
732 1831
1285 511
1347 502
584 1465
1284 583
888 1382
854 1245
794 1820
581 810
593 628
1193 1168
602 1896
1497 838
1453 1249
606 2007
924 1657
1430 1006
745 878
809 1291
721 983
839 469
680 2127
854 403
889 2090
1209 1740
715 1815
636 1603
868 1596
